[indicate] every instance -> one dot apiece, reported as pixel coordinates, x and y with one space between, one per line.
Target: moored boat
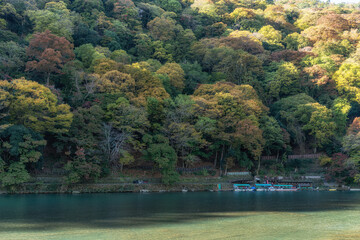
285 188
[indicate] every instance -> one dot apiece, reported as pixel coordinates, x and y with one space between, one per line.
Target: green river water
201 215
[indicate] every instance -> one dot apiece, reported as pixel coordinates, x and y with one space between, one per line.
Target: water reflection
39 212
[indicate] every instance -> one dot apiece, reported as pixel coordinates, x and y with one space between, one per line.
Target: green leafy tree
80 169
19 147
347 81
273 135
163 155
284 81
176 77
12 59
55 17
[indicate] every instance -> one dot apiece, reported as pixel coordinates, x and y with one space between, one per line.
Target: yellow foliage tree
35 106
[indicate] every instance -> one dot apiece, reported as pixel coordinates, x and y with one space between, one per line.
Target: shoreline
58 188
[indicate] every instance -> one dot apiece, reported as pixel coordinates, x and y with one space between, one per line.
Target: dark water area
88 207
61 216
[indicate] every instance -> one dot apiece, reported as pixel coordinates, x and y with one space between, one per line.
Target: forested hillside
95 86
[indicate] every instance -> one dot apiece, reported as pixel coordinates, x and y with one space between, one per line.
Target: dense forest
93 87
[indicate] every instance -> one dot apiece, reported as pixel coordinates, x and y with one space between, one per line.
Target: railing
181 169
238 173
304 156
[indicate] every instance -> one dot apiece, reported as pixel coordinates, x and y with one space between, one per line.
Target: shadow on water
39 212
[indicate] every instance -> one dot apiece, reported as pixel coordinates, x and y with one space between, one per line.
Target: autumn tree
146 85
48 53
36 107
236 110
176 75
163 28
334 21
116 82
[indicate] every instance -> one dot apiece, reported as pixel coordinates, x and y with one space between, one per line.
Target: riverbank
54 188
58 188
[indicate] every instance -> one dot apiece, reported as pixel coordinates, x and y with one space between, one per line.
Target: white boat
286 189
243 190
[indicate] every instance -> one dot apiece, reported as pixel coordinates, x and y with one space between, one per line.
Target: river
199 215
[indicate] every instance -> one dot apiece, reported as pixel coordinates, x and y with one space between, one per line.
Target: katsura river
202 215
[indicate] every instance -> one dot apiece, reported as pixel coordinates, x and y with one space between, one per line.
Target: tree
87 6
320 33
333 21
170 5
86 129
12 57
271 35
295 41
320 124
4 108
116 82
19 147
48 53
341 170
55 17
273 135
87 54
162 28
179 128
80 169
237 110
194 76
351 141
113 145
36 107
176 77
163 155
146 85
340 109
284 81
304 118
347 80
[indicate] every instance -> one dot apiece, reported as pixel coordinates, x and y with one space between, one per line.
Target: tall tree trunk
258 168
48 80
215 160
222 157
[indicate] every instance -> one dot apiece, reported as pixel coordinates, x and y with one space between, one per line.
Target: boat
262 187
243 188
285 188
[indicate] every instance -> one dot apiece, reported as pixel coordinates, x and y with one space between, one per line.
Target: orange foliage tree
48 53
